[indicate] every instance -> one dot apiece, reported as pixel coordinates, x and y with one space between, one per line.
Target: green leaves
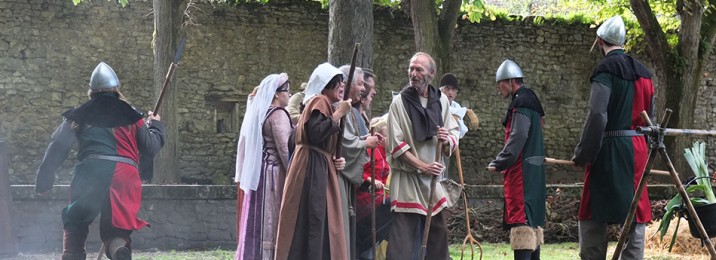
696 157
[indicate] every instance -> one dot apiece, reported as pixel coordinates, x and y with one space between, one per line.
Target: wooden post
8 242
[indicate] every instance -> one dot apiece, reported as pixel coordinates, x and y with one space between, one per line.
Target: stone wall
204 216
181 217
48 49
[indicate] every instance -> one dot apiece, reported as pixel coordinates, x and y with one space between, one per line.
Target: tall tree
168 16
350 21
680 67
434 31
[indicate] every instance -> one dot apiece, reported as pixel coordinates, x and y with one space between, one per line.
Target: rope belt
113 158
620 133
311 147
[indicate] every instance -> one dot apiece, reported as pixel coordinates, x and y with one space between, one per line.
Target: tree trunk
350 22
433 33
167 23
680 73
425 27
688 48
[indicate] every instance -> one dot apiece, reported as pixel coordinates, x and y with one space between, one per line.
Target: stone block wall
186 217
49 48
181 217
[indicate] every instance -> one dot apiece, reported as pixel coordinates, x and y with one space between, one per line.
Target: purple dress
258 220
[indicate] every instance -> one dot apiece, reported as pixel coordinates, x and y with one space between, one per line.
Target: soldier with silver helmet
524 182
113 138
613 154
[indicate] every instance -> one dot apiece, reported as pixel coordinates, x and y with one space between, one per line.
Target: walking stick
428 218
372 196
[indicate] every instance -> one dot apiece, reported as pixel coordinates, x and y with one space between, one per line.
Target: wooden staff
428 218
372 195
349 80
170 74
339 151
571 163
680 132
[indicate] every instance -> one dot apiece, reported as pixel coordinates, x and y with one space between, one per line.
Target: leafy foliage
696 157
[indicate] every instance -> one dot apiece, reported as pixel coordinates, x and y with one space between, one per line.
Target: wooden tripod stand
655 138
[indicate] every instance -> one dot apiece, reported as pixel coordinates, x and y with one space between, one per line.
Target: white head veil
251 141
319 79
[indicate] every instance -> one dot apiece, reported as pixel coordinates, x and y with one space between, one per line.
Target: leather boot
119 250
522 254
73 244
527 254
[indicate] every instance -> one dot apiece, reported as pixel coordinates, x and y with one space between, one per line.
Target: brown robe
310 222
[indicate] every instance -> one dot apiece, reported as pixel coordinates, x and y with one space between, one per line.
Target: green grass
490 251
503 251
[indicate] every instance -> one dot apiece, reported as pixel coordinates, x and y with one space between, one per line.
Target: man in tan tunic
418 119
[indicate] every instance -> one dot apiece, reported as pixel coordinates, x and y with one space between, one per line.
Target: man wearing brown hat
449 87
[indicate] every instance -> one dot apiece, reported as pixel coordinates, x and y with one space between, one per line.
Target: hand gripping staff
165 86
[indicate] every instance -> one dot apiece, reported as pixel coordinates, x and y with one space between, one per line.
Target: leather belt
113 158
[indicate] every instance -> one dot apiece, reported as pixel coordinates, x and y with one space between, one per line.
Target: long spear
339 149
170 74
372 195
349 80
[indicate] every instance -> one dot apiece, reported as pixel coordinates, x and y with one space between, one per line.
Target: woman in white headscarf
264 138
311 223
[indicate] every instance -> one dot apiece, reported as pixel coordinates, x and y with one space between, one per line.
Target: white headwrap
319 79
250 147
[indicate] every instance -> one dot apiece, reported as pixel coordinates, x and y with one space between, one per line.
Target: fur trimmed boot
523 238
118 249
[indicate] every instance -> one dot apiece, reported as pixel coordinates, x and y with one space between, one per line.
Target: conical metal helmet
613 31
508 70
103 77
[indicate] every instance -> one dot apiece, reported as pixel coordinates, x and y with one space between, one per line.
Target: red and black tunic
112 138
524 183
613 154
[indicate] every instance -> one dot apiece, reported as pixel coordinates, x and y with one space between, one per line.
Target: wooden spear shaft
372 195
571 163
429 216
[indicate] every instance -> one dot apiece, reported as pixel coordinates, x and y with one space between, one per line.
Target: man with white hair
613 154
356 139
420 127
